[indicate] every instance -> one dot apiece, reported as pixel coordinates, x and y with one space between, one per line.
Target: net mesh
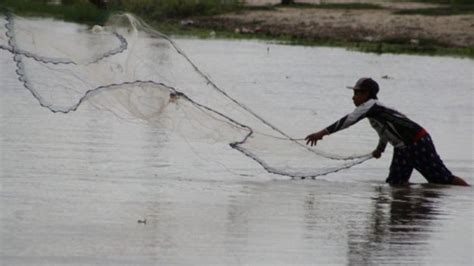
136 72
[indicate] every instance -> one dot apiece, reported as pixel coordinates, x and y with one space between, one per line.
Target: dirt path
352 24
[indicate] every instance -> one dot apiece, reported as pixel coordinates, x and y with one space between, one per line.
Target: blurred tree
100 3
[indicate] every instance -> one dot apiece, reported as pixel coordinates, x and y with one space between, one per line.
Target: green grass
316 6
308 6
439 11
75 12
444 2
84 12
260 8
448 8
160 10
334 6
453 7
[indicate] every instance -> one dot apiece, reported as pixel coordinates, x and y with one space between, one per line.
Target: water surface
73 186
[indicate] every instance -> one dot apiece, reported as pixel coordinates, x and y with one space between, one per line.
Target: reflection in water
399 228
307 227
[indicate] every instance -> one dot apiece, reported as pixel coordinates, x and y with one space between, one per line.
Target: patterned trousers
421 156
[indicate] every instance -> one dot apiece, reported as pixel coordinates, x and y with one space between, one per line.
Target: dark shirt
391 125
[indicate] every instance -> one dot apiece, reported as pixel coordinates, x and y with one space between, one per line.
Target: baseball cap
366 84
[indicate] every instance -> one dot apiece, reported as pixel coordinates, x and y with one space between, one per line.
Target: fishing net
139 74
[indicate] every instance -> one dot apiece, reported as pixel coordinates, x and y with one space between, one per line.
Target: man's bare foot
457 181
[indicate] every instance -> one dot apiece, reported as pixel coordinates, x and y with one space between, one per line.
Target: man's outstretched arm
359 113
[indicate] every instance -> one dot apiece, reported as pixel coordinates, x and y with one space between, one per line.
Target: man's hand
376 154
313 138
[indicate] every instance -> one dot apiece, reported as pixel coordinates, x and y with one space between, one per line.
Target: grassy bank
393 46
82 11
443 2
449 8
75 11
439 11
334 6
165 15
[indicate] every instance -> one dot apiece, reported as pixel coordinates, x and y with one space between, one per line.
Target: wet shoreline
379 30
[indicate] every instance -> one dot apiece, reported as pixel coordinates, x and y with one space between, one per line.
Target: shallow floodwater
73 187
